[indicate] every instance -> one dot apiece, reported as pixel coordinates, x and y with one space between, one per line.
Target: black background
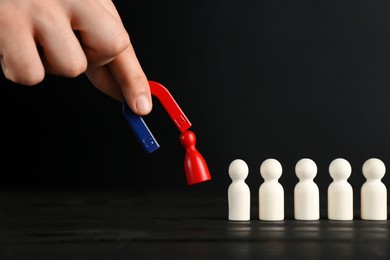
258 79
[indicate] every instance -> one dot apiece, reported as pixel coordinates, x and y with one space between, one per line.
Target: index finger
132 80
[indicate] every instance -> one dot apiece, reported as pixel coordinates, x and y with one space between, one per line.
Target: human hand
68 38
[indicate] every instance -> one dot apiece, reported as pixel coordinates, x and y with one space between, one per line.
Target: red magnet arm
170 105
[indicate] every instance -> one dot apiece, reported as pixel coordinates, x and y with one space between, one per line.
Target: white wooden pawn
340 192
238 192
271 192
373 192
306 192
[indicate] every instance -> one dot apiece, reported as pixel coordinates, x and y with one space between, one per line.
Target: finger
20 59
134 85
63 54
102 34
103 80
109 5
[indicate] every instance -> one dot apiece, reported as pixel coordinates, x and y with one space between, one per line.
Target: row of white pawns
373 192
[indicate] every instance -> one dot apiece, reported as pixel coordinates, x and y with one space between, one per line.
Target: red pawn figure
195 166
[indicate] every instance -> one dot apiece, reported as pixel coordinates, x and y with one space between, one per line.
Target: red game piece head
188 139
194 164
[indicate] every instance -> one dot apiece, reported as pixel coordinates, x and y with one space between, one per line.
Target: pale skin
69 38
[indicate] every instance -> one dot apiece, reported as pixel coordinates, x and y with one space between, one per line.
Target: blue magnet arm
140 129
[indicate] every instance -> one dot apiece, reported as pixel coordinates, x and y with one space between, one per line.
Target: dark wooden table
176 225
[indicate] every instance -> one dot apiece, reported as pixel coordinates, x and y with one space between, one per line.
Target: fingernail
143 105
